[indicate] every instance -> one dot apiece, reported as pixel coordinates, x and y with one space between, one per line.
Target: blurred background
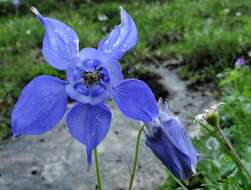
197 42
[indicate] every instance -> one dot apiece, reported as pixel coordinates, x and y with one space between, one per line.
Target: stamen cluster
93 77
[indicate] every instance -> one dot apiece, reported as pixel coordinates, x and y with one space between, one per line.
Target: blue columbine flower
169 141
16 3
93 76
240 61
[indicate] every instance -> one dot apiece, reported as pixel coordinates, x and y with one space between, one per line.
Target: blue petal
121 39
41 105
101 45
89 125
70 73
136 100
60 44
171 144
115 72
179 137
87 99
92 53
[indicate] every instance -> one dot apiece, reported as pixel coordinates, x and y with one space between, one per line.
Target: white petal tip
194 170
121 8
35 11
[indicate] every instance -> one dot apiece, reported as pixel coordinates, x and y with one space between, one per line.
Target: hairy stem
233 153
97 170
230 149
136 155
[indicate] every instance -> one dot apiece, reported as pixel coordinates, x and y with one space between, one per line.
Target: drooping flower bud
169 141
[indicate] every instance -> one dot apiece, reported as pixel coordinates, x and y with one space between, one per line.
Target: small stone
33 172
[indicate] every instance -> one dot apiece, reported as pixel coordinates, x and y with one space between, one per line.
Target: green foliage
237 110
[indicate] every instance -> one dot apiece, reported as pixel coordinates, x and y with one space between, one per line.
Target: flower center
93 77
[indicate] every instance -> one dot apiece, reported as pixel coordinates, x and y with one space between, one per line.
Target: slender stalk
97 170
231 149
136 155
233 153
177 181
228 145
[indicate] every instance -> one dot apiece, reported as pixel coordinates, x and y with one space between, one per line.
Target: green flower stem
97 170
233 153
136 155
177 181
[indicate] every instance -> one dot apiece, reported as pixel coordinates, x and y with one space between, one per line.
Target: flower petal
86 99
92 53
89 125
136 100
115 72
121 39
179 137
60 44
41 105
171 144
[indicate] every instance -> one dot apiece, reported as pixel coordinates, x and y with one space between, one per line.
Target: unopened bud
210 116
